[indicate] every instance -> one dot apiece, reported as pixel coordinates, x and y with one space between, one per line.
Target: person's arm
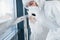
50 15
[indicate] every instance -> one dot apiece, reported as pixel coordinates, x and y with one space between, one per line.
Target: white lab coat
52 21
52 12
38 30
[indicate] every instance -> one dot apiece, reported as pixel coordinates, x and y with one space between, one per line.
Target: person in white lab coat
36 18
51 8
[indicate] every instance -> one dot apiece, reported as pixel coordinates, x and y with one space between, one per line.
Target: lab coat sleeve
50 15
56 11
52 12
48 11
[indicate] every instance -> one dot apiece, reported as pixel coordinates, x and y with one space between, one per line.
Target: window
7 14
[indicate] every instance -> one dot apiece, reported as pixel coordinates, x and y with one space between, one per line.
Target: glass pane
7 15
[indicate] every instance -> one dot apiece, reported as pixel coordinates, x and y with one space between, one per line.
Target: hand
32 19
